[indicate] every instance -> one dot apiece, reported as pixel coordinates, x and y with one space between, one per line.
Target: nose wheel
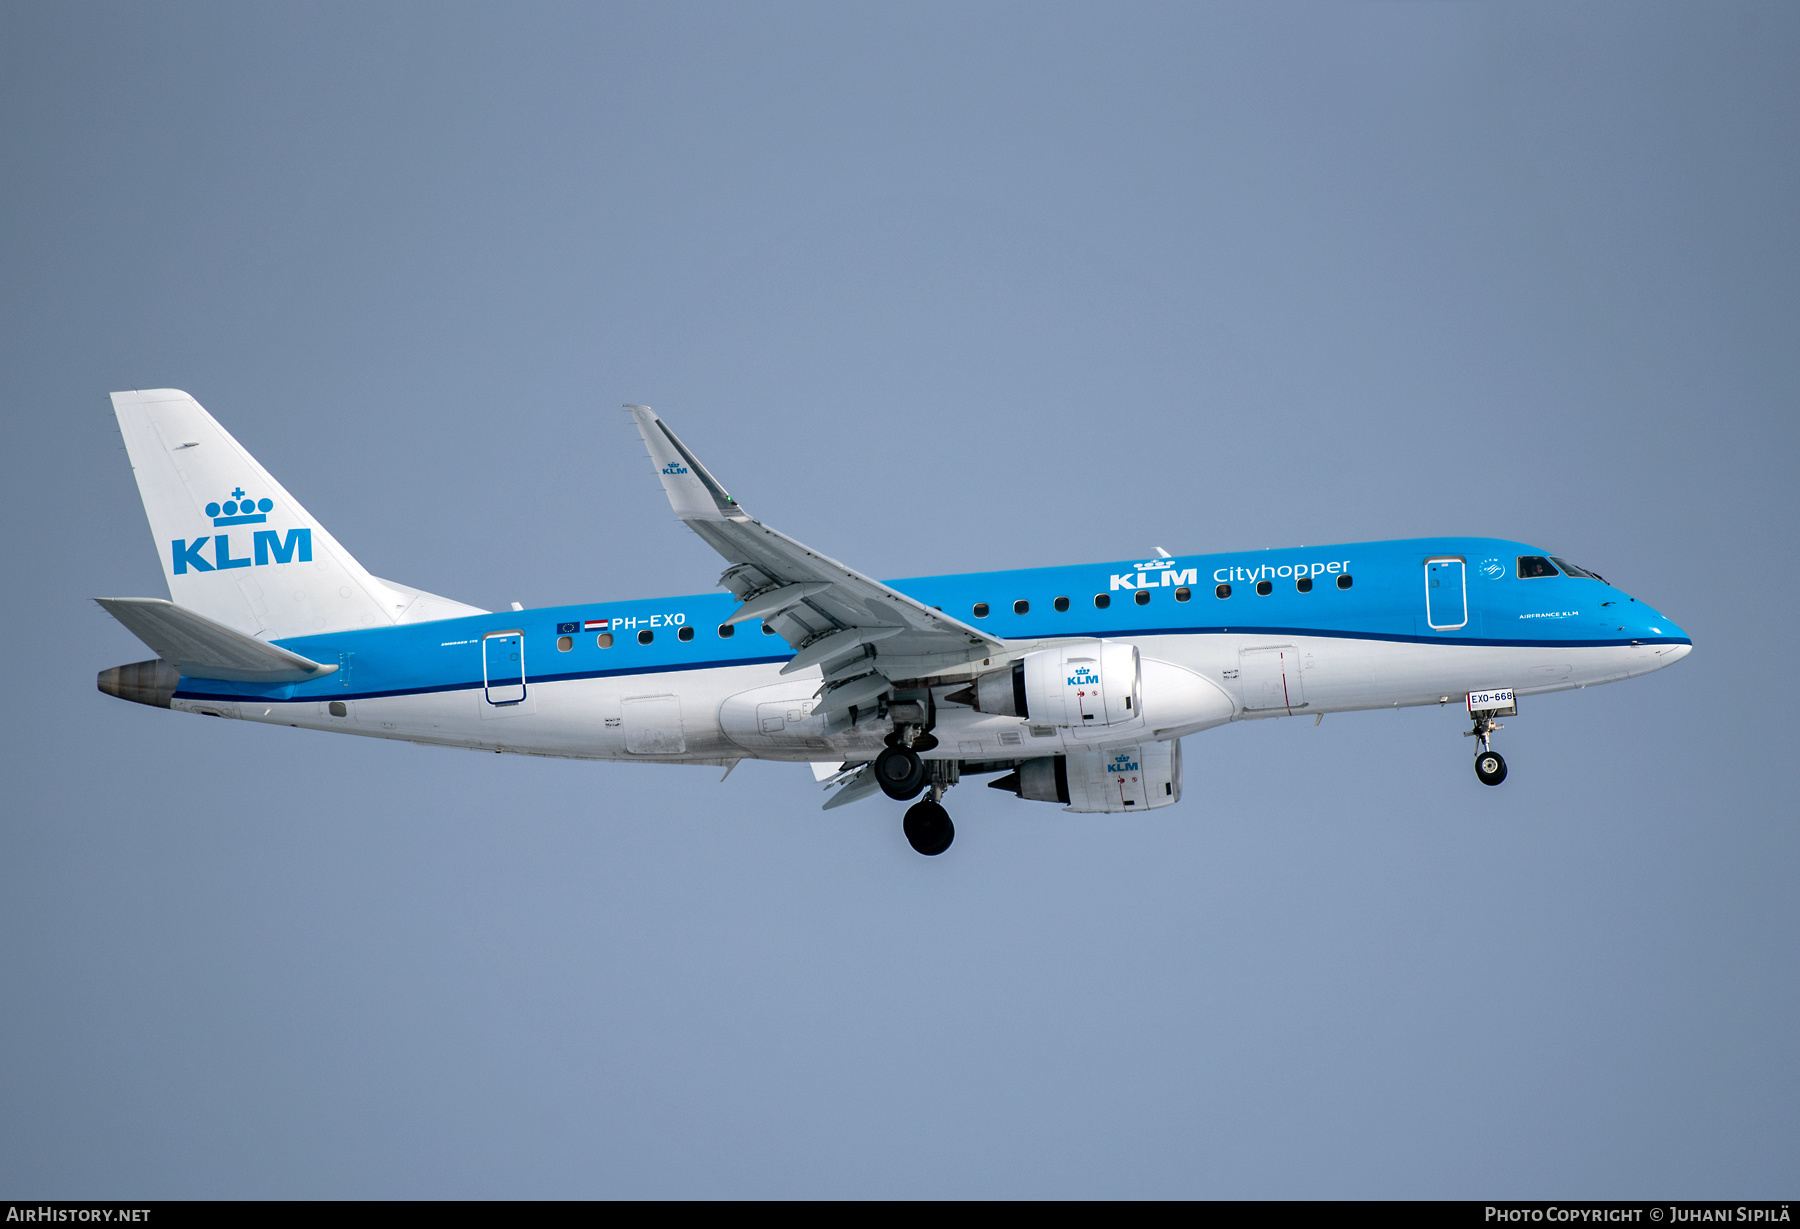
1490 767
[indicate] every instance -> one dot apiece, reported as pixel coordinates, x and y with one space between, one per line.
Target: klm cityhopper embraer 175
1072 685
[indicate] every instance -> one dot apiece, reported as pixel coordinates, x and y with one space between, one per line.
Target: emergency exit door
1446 594
503 667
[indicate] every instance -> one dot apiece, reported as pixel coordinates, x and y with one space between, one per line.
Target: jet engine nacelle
1081 685
1137 778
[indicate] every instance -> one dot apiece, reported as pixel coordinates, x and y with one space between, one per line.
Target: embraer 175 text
1072 685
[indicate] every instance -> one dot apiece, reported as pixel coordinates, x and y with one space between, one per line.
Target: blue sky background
932 288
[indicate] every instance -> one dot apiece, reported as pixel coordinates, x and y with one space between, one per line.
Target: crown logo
240 510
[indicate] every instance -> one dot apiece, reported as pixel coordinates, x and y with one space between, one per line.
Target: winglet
694 494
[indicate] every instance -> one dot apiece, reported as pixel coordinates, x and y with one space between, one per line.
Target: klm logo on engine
266 545
1084 676
1125 761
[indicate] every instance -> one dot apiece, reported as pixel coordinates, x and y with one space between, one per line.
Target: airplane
1071 685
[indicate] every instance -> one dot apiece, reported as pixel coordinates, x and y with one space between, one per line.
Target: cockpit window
1534 565
1570 569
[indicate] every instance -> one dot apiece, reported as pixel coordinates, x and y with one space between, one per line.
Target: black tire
1490 767
928 828
900 772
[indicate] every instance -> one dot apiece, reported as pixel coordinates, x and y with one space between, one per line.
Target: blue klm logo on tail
267 545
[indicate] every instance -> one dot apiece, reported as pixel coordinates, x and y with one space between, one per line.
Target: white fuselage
723 714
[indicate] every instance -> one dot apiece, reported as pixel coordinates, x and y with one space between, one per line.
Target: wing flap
857 784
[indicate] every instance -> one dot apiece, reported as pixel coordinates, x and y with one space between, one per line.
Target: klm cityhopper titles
1072 685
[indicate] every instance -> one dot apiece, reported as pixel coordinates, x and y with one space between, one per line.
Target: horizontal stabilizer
201 648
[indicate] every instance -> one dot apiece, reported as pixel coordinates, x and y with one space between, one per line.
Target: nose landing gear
1490 766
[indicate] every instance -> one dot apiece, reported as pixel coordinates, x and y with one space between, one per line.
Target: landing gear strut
1490 766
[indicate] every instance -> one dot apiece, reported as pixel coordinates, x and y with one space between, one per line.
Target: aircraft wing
202 648
861 632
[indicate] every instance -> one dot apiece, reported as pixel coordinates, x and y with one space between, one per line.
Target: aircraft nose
1670 654
1654 624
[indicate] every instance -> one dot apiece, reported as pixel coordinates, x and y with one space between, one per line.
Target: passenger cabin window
1061 604
727 631
1304 584
1021 606
686 633
1102 601
1183 593
1344 581
1532 566
768 629
981 610
564 643
1570 569
604 640
1222 591
646 636
1264 588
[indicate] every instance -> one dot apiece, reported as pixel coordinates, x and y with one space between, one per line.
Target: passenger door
1446 595
503 667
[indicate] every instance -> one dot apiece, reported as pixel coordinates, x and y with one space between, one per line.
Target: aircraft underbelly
778 721
730 712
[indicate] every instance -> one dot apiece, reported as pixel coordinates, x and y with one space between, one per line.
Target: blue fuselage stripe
1386 601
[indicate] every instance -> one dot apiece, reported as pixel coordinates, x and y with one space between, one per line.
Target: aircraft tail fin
236 548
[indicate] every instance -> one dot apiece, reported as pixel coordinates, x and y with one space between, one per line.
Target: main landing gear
1490 766
902 776
900 772
928 827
